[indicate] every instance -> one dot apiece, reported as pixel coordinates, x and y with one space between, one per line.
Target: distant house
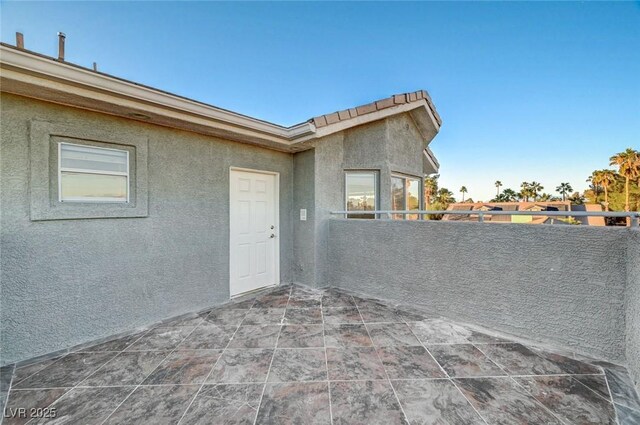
523 207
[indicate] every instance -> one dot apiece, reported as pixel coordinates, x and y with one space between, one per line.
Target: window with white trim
92 174
406 195
361 192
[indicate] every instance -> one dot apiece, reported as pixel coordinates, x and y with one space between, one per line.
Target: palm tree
535 188
463 190
564 189
445 197
498 184
430 188
509 195
595 179
525 191
607 178
628 163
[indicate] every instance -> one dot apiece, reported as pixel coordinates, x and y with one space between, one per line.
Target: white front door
254 231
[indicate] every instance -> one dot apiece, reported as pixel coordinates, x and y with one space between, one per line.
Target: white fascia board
79 77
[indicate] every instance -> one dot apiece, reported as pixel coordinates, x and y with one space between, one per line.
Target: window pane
361 193
92 158
93 187
413 197
397 196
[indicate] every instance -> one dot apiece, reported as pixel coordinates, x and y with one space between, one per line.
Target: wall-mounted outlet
303 214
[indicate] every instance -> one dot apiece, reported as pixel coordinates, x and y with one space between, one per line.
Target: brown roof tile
398 99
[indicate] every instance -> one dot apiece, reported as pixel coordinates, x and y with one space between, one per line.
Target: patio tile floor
294 355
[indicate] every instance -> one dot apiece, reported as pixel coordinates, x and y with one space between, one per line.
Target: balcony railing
388 214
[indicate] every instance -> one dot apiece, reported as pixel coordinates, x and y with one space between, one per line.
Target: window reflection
405 195
361 193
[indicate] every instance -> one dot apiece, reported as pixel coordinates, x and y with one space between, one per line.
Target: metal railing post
634 221
481 217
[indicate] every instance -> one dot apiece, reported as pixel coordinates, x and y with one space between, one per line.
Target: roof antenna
19 40
61 38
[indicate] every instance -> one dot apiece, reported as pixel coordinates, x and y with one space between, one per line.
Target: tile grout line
149 374
204 381
424 345
326 360
375 349
6 398
522 386
91 374
615 410
273 355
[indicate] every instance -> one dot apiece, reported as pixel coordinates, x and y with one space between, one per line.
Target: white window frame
406 177
61 169
376 188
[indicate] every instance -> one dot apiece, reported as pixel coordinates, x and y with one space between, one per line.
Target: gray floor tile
184 367
347 336
225 404
86 406
154 405
209 336
68 371
366 403
23 372
118 344
464 360
570 365
354 363
187 320
304 364
627 416
20 403
128 368
379 314
259 336
428 402
501 401
161 339
596 383
334 299
337 315
264 316
389 334
302 316
6 376
622 389
569 400
295 403
312 301
301 336
241 366
517 359
272 301
409 362
436 331
226 317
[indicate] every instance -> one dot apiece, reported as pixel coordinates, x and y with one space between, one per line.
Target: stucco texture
66 282
554 284
633 306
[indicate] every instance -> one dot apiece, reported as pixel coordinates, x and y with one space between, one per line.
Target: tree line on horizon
620 188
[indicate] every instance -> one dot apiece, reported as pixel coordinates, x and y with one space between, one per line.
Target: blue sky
527 91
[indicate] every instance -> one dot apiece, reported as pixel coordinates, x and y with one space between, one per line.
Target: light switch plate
303 214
